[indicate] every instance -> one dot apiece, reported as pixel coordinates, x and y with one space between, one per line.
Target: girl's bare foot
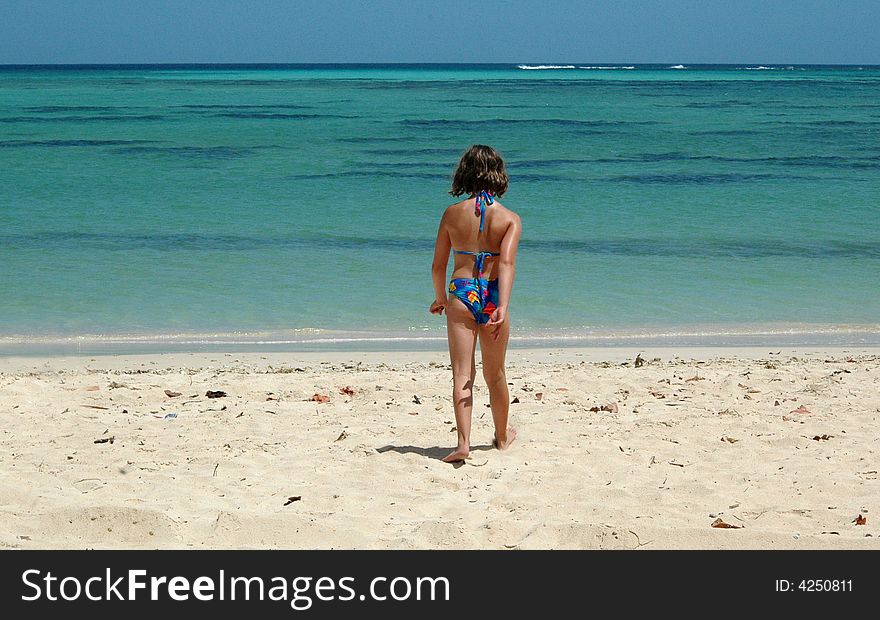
504 443
457 456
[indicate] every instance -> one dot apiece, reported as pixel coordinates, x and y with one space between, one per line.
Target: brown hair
481 168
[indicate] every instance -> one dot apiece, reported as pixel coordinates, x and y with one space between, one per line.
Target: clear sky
512 31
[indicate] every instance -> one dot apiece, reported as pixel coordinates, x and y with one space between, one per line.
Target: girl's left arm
442 246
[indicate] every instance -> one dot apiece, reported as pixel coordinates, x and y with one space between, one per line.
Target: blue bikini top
484 199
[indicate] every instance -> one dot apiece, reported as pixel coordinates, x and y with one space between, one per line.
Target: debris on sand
720 523
610 407
171 394
215 394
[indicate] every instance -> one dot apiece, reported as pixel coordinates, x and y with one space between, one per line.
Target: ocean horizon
432 65
294 206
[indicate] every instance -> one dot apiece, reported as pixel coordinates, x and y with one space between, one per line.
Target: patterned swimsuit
478 294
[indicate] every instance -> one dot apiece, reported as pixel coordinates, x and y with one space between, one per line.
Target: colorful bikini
478 294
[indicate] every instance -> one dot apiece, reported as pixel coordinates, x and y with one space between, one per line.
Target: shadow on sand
435 453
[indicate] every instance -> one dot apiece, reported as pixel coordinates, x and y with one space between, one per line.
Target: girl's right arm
442 246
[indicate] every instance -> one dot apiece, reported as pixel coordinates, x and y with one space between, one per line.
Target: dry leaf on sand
612 407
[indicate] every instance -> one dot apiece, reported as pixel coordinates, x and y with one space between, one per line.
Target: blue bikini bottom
478 294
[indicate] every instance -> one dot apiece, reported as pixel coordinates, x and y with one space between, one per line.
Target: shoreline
315 340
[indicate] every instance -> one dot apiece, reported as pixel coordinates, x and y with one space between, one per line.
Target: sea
295 207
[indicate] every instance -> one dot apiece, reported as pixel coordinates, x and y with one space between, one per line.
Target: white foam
678 67
760 68
294 339
607 67
533 67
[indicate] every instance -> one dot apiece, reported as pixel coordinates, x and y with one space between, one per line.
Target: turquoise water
173 206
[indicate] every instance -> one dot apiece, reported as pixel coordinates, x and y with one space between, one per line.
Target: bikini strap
479 258
484 198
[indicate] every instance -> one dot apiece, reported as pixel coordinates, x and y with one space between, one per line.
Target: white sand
653 475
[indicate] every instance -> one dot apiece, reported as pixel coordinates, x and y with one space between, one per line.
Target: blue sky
514 31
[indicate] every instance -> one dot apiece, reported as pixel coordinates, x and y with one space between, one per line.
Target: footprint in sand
88 484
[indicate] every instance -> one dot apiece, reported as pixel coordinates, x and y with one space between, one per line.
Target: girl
484 236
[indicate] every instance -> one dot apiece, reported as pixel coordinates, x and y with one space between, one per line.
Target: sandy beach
781 443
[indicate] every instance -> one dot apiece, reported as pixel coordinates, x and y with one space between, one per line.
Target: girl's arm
442 246
506 272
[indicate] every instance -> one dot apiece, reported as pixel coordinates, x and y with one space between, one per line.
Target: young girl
484 236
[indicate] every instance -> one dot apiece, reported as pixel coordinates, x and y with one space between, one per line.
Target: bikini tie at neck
483 198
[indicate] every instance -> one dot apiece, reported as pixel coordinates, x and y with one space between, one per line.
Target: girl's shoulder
509 214
455 209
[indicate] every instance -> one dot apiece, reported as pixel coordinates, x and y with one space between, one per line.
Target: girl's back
463 227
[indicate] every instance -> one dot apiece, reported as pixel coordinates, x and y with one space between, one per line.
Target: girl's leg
493 353
461 330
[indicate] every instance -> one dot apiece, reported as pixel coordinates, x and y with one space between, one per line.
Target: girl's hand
496 320
437 307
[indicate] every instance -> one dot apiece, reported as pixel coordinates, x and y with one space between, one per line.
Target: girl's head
481 168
